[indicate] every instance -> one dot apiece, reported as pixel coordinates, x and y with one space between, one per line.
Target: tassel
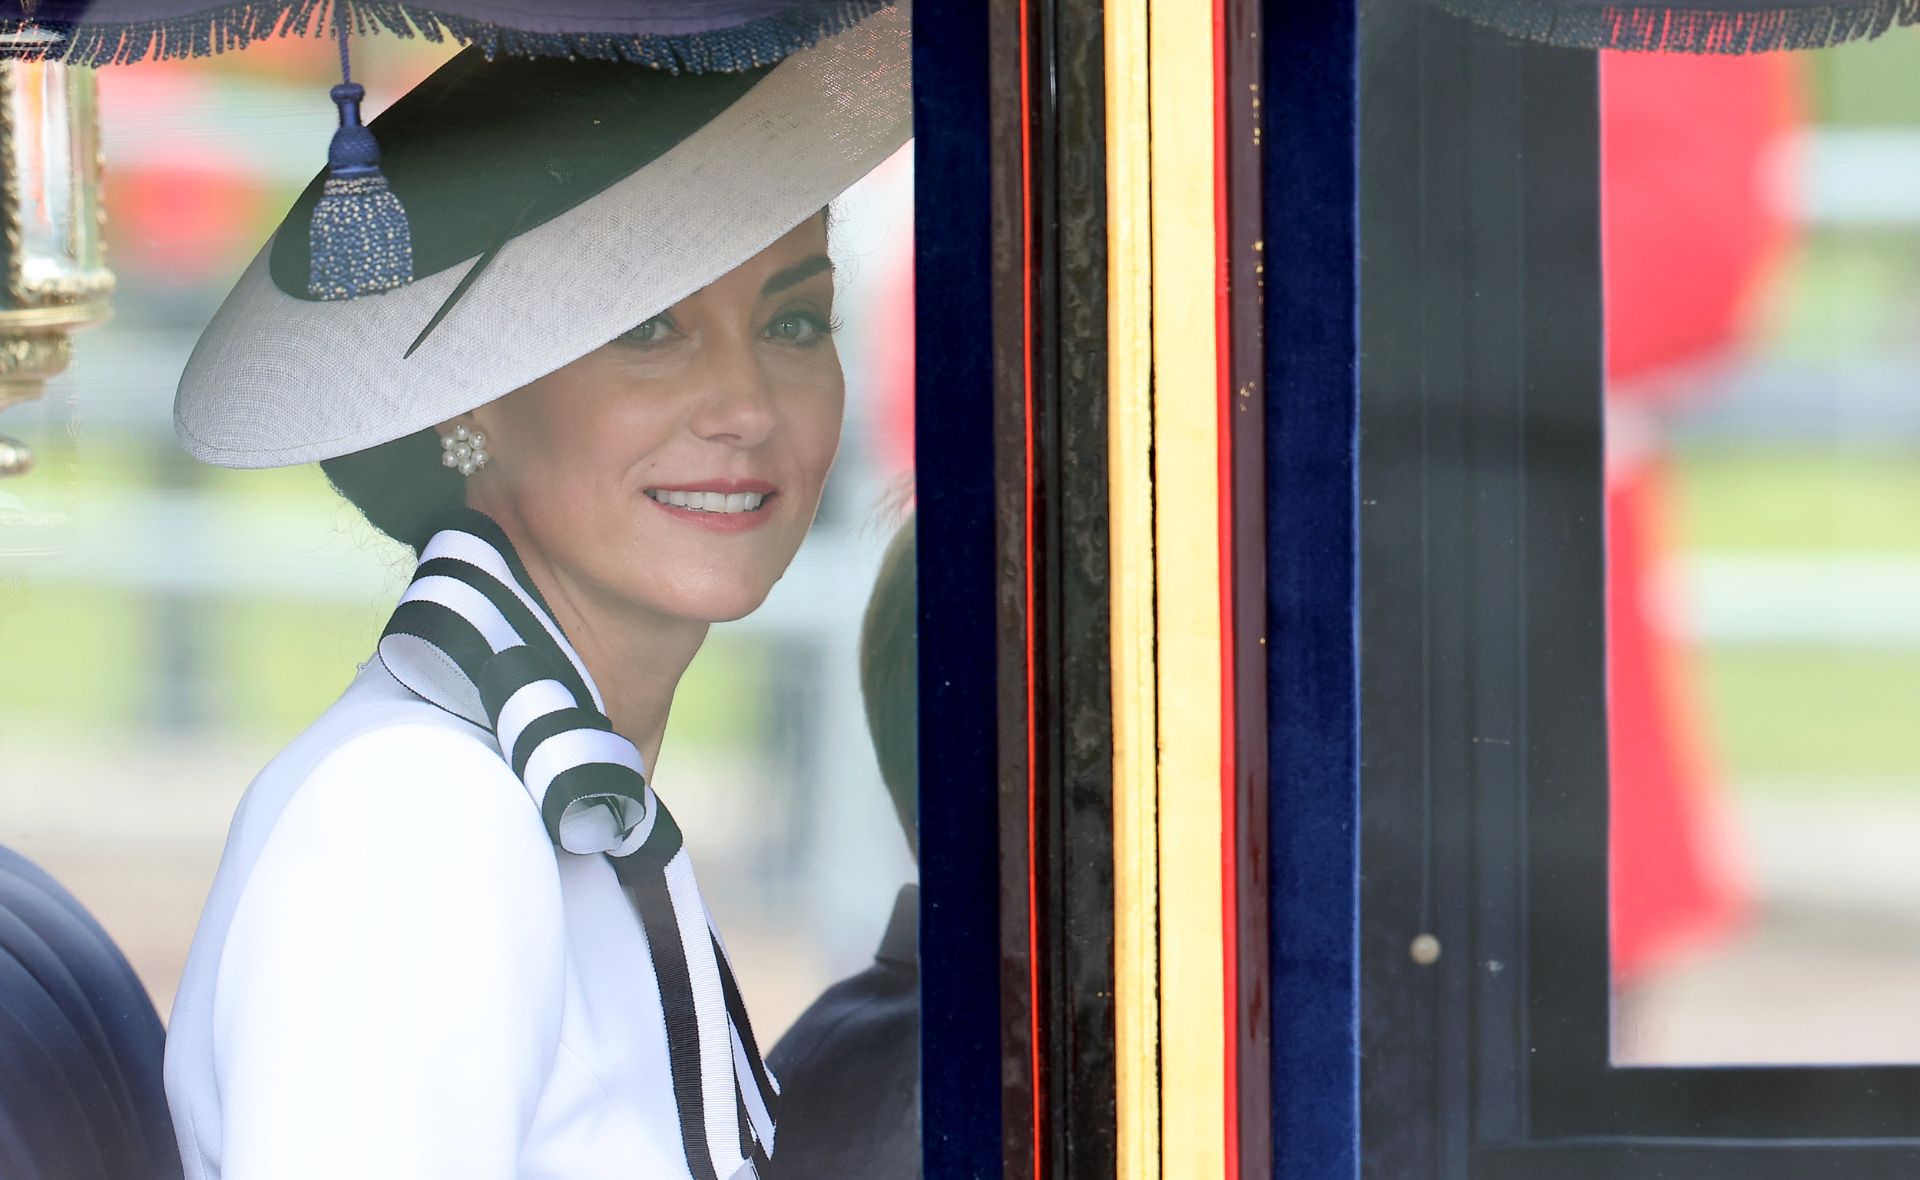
359 242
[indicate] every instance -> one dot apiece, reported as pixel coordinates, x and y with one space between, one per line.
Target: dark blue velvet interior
959 867
1312 390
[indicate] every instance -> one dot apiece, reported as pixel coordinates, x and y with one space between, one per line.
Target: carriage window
1638 495
166 626
1761 247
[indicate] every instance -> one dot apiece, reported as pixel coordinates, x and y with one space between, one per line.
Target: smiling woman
604 415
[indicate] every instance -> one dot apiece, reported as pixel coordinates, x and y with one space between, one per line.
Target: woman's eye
799 327
651 331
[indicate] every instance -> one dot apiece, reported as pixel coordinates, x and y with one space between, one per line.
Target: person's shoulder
381 751
867 1022
371 702
383 775
404 911
410 827
420 781
389 846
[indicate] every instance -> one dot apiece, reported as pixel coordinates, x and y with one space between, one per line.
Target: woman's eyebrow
797 273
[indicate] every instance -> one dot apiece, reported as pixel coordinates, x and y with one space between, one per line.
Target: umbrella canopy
1695 26
692 35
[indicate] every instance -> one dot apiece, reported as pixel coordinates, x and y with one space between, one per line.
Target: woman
453 932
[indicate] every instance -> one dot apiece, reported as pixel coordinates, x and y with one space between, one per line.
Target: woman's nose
735 404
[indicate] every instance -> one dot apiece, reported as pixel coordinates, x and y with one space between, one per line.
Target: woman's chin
732 614
717 604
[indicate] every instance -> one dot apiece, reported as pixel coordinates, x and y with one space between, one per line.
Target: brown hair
889 679
401 487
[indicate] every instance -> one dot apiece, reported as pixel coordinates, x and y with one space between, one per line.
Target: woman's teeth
711 501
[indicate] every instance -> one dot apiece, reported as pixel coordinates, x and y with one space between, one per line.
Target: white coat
397 974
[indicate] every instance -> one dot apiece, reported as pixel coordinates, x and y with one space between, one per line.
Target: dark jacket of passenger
849 1069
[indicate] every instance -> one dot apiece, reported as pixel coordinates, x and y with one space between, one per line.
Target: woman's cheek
830 442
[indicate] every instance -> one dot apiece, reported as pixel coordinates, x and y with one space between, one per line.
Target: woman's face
678 468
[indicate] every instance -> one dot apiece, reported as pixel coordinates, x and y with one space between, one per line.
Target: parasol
691 35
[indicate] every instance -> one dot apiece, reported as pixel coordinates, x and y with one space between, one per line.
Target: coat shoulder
382 756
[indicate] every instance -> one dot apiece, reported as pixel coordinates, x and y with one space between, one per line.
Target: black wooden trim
1055 813
1072 558
1017 966
1055 293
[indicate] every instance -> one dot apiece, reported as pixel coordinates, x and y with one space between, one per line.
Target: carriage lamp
55 261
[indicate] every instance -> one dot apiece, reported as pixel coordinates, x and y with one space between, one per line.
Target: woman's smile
720 505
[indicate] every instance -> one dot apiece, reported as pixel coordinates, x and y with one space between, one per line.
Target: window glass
166 627
1762 282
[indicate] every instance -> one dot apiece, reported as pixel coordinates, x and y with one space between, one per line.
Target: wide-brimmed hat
554 205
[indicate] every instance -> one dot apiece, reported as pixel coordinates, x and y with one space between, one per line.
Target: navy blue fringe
236 26
1697 28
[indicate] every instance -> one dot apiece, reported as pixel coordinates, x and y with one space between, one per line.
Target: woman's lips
725 506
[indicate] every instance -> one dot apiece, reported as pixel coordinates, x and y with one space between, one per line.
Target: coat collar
473 636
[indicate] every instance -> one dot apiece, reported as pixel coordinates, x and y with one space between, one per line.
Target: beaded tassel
359 242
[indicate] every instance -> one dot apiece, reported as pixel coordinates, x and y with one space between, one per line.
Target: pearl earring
464 449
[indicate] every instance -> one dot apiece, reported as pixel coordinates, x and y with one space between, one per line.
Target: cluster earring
464 449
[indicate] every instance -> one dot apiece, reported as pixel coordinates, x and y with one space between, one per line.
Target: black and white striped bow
472 635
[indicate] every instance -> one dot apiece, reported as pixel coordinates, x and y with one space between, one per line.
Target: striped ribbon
472 635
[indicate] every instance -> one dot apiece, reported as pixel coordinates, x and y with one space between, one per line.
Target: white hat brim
277 380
